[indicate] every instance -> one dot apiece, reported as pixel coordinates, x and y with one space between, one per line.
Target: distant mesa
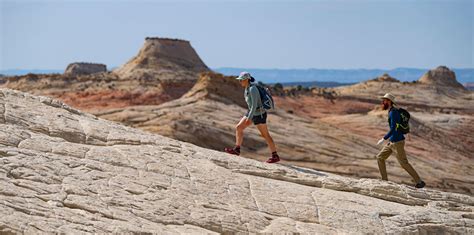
386 78
82 68
469 86
441 76
162 58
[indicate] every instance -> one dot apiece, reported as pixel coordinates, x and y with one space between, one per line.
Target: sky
326 34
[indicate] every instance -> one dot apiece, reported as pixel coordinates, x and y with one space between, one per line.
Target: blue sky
254 34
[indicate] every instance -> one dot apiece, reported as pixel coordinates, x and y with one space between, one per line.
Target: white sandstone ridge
83 68
64 171
160 57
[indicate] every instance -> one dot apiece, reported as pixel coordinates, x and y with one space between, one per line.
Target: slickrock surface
335 137
160 91
66 171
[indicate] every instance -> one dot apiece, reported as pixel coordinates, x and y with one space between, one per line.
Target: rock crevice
2 113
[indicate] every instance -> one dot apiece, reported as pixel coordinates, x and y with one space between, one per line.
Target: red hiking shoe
274 158
233 151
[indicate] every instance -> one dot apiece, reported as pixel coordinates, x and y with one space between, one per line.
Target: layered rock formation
76 69
163 70
64 171
203 116
441 76
337 136
164 59
437 88
215 86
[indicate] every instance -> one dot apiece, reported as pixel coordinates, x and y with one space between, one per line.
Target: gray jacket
252 97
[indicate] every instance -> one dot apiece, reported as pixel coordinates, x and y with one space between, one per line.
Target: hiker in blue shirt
256 114
396 142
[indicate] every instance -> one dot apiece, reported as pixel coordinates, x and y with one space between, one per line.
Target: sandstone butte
65 171
164 69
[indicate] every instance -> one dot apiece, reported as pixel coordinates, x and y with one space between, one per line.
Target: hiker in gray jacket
256 114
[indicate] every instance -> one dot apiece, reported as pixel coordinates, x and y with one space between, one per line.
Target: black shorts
259 119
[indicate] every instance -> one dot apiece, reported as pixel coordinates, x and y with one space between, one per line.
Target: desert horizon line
257 68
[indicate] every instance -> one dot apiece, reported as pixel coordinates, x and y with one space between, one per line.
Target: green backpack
404 125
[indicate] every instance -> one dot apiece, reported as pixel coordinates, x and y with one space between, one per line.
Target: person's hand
380 141
409 137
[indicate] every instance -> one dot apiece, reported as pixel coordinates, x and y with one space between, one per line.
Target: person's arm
393 123
254 96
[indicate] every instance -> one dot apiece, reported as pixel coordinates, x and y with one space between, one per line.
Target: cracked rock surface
65 171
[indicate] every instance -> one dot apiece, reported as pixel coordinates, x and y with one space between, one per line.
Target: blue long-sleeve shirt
393 119
252 97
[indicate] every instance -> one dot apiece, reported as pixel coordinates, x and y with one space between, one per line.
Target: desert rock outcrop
215 86
441 76
162 58
337 137
437 88
386 78
64 171
163 70
76 69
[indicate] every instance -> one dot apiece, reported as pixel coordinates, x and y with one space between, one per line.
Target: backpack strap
260 107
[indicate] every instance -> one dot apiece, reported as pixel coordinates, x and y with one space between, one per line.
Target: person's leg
239 131
266 135
381 157
239 136
402 159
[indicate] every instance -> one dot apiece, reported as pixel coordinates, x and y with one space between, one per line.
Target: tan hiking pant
399 149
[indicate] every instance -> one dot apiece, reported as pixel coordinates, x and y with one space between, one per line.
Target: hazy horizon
463 75
228 67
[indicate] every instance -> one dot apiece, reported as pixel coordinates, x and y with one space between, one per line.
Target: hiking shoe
420 184
273 159
233 151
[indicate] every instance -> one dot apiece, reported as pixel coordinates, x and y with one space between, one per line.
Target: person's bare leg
266 135
239 130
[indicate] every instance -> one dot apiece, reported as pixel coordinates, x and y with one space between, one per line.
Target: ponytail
252 79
